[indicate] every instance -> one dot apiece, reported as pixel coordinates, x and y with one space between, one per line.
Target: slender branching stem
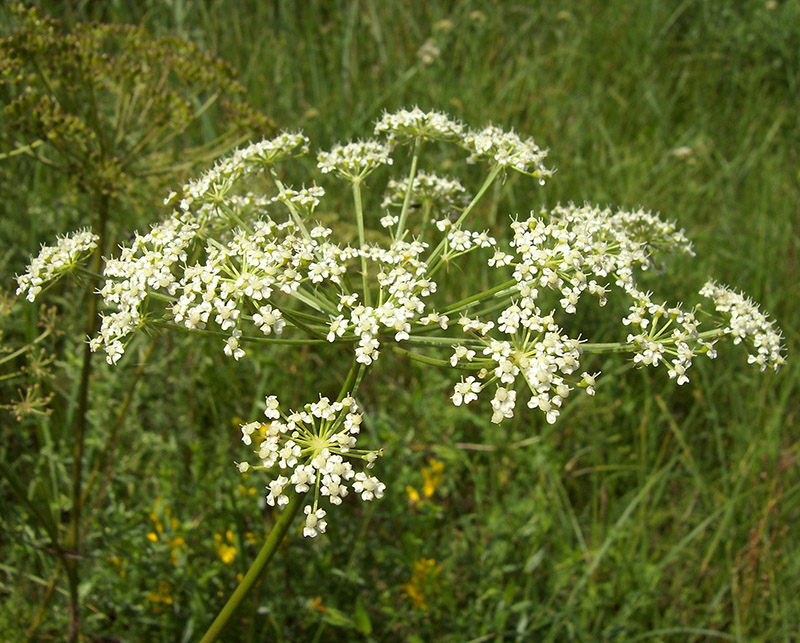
361 241
277 534
435 255
401 224
463 303
292 210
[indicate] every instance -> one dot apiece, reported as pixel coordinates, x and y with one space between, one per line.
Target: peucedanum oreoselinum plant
244 257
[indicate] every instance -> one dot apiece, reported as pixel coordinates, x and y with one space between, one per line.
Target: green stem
292 210
43 335
482 295
447 341
432 361
361 242
352 380
220 333
256 569
48 595
438 249
407 199
72 541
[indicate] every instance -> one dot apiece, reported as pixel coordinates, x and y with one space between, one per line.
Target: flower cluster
507 150
214 185
664 334
747 322
312 449
256 268
574 249
533 347
141 270
355 161
54 261
436 195
405 124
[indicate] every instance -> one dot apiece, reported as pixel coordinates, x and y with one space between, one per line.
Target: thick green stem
361 242
401 225
256 569
352 381
72 540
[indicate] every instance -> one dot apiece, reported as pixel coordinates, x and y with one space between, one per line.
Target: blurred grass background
648 513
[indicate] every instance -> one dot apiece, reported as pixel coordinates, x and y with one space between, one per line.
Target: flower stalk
276 535
361 239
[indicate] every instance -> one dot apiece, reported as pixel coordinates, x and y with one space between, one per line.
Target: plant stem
292 210
482 295
352 381
407 199
256 569
438 249
360 222
72 540
220 333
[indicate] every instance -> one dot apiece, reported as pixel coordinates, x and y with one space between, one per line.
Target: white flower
248 430
303 477
337 328
276 495
503 404
466 391
459 353
315 523
589 381
272 406
368 486
232 346
315 449
269 319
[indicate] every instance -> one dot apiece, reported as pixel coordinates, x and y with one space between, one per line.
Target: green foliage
106 104
649 513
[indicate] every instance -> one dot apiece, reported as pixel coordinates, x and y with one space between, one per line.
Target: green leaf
361 619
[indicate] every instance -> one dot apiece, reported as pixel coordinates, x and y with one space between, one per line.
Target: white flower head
507 150
54 261
315 449
354 161
410 124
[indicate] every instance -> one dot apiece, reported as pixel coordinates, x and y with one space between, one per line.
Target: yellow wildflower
422 583
161 597
225 550
432 476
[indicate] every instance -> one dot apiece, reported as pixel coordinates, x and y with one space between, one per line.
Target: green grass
651 512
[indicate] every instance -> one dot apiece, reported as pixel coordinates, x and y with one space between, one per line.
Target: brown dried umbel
108 104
